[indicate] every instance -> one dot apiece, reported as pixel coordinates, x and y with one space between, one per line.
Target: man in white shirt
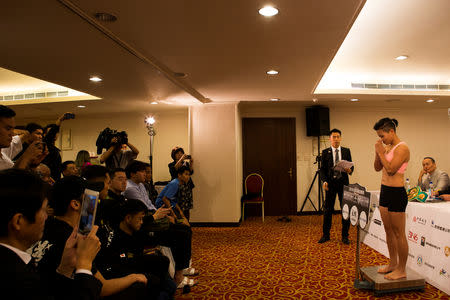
430 173
11 143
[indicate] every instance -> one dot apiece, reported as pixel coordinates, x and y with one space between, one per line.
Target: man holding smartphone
53 159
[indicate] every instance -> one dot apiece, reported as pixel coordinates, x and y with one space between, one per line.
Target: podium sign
356 205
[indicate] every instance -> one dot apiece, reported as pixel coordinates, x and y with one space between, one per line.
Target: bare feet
395 275
387 269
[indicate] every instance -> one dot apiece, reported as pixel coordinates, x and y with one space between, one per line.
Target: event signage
356 205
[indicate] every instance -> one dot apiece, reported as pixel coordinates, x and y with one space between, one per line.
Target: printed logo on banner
436 226
420 220
411 255
444 273
422 241
376 221
447 251
345 212
429 265
413 237
353 215
419 260
433 246
362 219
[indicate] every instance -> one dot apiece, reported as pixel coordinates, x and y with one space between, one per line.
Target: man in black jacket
22 220
333 183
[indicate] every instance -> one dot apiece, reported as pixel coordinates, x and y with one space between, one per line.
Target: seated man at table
430 173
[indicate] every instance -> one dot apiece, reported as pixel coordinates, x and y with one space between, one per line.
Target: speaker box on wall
317 121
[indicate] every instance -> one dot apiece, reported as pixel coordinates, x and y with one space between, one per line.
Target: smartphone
68 116
88 211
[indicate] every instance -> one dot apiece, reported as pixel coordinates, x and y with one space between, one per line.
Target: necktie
32 266
336 158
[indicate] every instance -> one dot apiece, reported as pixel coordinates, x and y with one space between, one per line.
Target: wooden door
269 149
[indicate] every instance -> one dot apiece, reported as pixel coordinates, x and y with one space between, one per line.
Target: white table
428 234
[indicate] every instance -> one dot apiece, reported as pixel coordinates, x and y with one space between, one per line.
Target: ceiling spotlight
272 72
315 100
430 100
268 11
150 120
154 102
81 106
354 100
274 99
401 57
105 17
95 79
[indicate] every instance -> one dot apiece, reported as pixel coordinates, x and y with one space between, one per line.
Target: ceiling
224 48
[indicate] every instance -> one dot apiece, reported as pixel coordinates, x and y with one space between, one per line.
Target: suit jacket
326 170
23 283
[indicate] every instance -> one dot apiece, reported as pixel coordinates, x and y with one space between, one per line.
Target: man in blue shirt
169 195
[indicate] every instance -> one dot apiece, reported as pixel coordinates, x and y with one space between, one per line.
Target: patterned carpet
279 260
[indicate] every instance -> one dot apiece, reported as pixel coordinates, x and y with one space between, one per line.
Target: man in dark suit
333 183
22 219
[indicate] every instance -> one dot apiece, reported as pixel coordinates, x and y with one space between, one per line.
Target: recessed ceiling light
154 102
401 57
272 72
95 79
315 100
274 99
268 11
430 100
81 106
354 100
105 17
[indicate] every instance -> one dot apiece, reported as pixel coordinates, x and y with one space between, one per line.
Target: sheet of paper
343 164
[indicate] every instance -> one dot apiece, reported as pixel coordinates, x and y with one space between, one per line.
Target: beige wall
215 131
212 133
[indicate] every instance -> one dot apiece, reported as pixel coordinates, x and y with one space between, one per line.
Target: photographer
185 190
53 159
117 156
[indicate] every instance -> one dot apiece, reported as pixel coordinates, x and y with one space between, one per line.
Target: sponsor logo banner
439 227
419 220
413 237
419 260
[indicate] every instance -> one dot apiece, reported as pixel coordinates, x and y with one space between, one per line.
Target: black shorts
394 198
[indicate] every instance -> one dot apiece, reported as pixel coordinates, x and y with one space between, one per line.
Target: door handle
290 173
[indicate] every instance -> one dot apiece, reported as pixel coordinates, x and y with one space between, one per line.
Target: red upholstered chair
254 186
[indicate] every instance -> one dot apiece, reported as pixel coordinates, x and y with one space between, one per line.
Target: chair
254 185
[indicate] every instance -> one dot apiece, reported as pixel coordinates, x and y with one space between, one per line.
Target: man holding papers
336 165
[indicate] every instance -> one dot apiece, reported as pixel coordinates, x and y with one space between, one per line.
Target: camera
105 137
188 157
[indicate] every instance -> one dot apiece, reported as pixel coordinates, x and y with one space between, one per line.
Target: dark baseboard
215 224
308 213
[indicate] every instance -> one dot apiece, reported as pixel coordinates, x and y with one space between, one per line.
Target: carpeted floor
279 260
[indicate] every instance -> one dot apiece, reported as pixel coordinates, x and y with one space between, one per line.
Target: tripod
319 186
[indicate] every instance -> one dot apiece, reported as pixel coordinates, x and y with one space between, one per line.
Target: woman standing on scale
392 159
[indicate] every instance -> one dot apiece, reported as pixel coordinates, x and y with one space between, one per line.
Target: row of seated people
129 264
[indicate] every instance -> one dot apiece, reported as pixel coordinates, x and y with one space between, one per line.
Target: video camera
105 137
